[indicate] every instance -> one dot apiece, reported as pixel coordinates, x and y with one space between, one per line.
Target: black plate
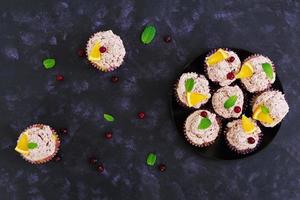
219 149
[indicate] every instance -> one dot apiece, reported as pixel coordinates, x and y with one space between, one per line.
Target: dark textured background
31 31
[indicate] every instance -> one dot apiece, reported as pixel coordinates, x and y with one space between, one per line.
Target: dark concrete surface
33 30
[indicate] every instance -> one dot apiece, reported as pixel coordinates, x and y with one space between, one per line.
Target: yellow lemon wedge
218 56
247 124
262 116
94 54
246 71
194 98
22 144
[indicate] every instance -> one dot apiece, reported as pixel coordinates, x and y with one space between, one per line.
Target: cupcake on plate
192 90
105 51
201 128
243 135
38 144
222 65
270 108
257 73
228 101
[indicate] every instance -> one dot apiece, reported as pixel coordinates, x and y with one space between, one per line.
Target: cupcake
38 144
192 90
222 65
243 135
270 108
201 128
105 51
228 101
257 73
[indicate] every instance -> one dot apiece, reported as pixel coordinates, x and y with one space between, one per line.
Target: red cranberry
108 135
81 53
141 115
100 168
63 131
251 140
230 59
237 109
57 158
102 49
114 79
162 167
167 39
230 76
203 114
93 160
59 77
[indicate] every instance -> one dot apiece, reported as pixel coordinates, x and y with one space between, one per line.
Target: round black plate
219 149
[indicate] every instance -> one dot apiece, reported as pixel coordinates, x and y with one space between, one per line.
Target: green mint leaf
189 84
148 34
109 118
151 159
49 63
204 123
267 67
265 110
230 102
32 145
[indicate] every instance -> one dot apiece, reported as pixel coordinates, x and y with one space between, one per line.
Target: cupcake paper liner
47 159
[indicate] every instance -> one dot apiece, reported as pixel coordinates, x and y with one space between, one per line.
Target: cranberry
100 168
93 160
108 135
114 79
237 109
141 115
63 131
102 49
59 77
57 158
203 114
162 167
81 53
230 76
167 39
251 140
230 59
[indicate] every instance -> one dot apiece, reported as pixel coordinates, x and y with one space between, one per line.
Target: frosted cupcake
105 51
228 101
270 108
201 128
192 90
222 65
38 144
243 135
257 73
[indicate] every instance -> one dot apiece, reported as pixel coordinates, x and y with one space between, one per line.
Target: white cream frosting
222 95
259 81
198 136
218 72
201 86
115 51
238 138
275 102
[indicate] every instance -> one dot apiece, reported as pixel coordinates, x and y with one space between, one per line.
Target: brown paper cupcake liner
47 159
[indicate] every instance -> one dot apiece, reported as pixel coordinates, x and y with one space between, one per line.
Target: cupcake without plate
270 108
201 128
38 144
223 66
105 51
228 101
200 87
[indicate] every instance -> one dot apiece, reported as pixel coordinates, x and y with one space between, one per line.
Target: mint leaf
268 70
204 123
148 34
230 102
32 145
265 110
109 118
49 63
151 159
189 84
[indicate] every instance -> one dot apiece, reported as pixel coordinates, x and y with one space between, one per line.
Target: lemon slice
94 54
218 56
246 71
248 125
22 144
194 98
262 116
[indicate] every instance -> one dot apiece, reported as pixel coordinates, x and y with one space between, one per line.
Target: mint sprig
189 84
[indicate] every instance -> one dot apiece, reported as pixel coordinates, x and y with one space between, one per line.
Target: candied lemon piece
194 98
246 71
262 116
247 124
218 56
22 145
94 54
